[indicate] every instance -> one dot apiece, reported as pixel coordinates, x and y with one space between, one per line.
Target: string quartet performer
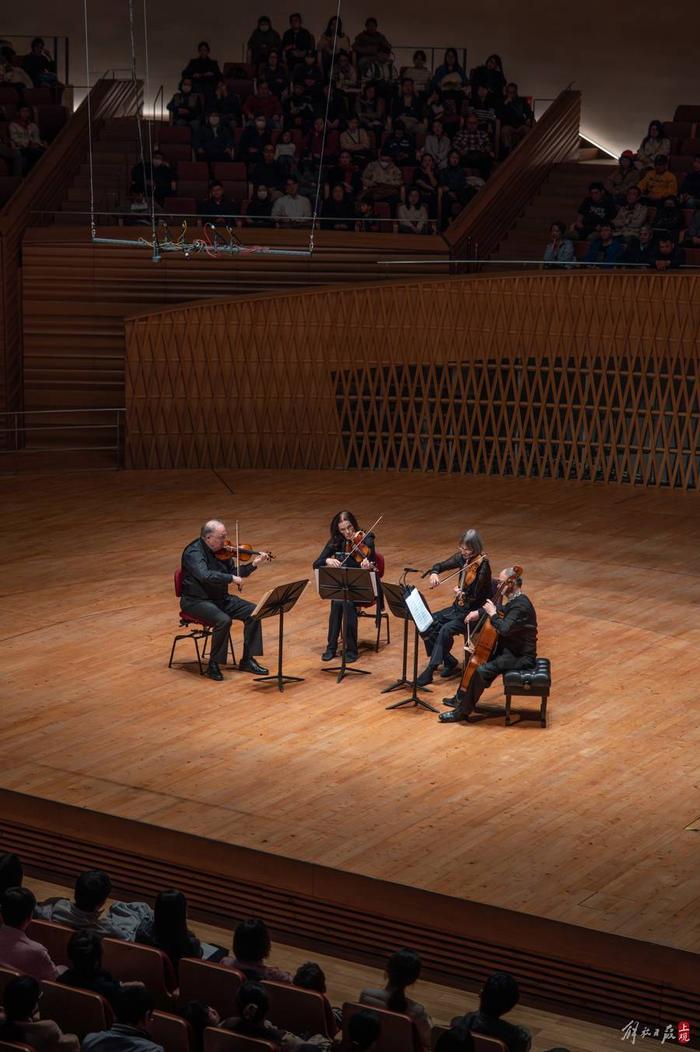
211 563
346 547
513 622
470 568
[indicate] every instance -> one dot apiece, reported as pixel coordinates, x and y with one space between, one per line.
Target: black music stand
396 601
347 586
277 602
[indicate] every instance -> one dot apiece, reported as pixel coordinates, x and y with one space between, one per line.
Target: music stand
277 602
396 601
346 586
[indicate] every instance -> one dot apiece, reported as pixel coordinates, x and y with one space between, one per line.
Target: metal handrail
20 422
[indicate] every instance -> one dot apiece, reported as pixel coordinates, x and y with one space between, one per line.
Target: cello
485 636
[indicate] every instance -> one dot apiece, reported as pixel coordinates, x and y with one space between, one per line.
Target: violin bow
372 527
238 558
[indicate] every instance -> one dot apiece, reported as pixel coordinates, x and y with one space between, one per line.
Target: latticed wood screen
574 376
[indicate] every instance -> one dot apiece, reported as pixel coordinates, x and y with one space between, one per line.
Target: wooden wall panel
574 376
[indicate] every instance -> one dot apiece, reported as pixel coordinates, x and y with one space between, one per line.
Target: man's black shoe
214 672
350 657
450 668
328 655
450 717
450 702
251 665
425 677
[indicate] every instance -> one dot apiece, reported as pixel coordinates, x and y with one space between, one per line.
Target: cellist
515 622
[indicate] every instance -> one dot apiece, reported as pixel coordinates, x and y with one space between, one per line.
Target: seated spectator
320 144
137 208
285 152
168 930
251 939
332 38
345 81
308 73
364 1031
199 1016
595 209
450 79
214 142
11 156
484 104
419 73
228 106
337 210
624 176
262 41
658 183
456 1039
381 71
475 147
642 249
253 141
22 1024
668 255
39 64
157 177
605 249
90 897
264 104
276 74
491 75
691 235
435 109
559 248
408 108
413 215
185 107
299 109
690 187
25 138
369 109
355 140
437 144
251 1019
427 182
11 73
516 117
367 218
654 143
268 172
632 216
130 1031
11 871
259 210
17 950
456 190
203 71
310 976
402 970
86 971
499 995
381 179
369 42
297 42
668 218
400 146
346 173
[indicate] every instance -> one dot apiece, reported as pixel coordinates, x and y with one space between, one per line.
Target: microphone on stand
409 569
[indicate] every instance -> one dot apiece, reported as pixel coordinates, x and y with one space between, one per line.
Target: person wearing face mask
185 107
381 180
253 141
262 41
214 142
158 174
259 210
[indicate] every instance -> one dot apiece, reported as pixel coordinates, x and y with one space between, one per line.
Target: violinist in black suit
473 576
342 550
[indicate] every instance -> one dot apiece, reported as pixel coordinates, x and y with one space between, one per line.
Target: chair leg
233 652
388 637
543 711
508 720
379 633
172 652
199 657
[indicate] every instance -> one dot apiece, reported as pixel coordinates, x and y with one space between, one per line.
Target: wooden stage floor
588 822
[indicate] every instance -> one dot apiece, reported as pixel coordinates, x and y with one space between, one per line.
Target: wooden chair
15 1046
365 609
170 1031
482 1042
78 1012
297 1010
398 1033
214 984
128 961
54 937
217 1040
6 975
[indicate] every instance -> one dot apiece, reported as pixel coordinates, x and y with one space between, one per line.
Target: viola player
205 582
338 552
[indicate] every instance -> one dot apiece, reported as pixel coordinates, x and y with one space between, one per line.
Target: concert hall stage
568 855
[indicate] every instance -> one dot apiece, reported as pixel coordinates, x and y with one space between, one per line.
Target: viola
485 638
246 552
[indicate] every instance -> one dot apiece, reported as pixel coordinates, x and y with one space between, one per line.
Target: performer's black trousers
439 638
335 624
484 677
221 612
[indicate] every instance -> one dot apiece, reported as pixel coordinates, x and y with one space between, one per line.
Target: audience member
668 255
426 180
86 971
299 109
254 139
652 145
658 183
268 172
134 1009
631 216
262 41
595 209
285 151
292 207
92 890
484 104
308 74
402 970
11 871
157 177
17 950
367 218
23 1025
215 141
275 73
690 187
437 144
400 146
369 43
382 72
407 107
668 218
413 215
370 109
336 211
449 78
199 1015
310 976
203 71
355 140
381 179
11 72
641 249
456 191
499 995
251 939
259 209
345 81
516 116
419 72
332 35
227 104
559 248
168 930
297 41
605 249
364 1031
252 1003
475 147
624 176
346 174
691 235
491 74
25 138
40 65
456 1039
263 104
185 107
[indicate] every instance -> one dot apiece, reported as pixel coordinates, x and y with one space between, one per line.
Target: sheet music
261 602
418 610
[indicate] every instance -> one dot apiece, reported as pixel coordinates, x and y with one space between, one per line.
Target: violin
246 552
358 550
